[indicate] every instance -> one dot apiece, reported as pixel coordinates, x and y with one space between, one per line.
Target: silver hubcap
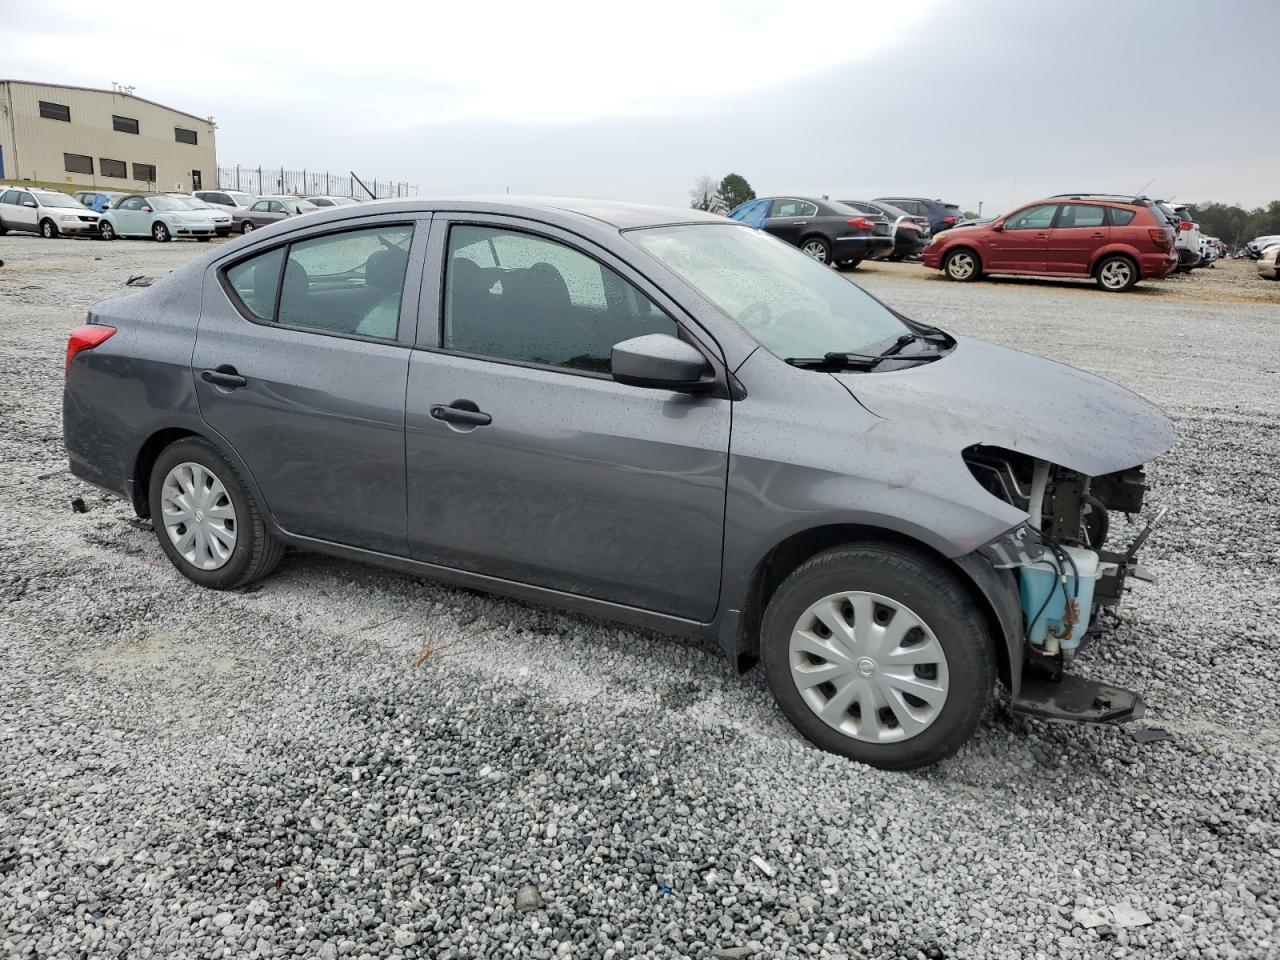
248 228
960 266
869 667
1116 273
159 232
816 250
198 516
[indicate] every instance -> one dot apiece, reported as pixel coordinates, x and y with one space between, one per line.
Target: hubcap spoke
875 680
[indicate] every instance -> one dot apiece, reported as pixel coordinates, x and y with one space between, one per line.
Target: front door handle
464 415
1098 234
224 376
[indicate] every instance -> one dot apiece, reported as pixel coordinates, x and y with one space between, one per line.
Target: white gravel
349 762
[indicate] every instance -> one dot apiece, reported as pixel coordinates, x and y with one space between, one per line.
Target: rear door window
1081 215
792 208
9 196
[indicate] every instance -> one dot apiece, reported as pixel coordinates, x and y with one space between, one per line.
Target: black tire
816 247
937 597
48 229
849 265
1115 273
256 552
203 239
962 265
160 233
247 227
106 231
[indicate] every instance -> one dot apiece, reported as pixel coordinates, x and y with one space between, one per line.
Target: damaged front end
1068 572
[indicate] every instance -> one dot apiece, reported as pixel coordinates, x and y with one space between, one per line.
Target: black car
826 230
941 215
910 233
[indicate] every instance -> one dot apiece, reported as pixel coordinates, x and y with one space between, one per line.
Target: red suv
1116 241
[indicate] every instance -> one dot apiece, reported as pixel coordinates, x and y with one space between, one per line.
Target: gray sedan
268 210
653 415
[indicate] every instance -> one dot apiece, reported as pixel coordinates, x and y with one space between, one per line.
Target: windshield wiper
858 361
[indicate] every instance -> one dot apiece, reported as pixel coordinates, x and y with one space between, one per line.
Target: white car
1187 242
1209 250
231 199
327 201
46 212
1254 248
1268 265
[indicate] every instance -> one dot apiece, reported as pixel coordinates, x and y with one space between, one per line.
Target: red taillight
862 223
1161 239
1186 225
86 338
950 221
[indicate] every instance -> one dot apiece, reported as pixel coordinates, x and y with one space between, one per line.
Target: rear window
952 210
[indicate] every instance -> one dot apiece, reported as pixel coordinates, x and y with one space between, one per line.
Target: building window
184 136
124 124
113 168
145 172
55 111
77 163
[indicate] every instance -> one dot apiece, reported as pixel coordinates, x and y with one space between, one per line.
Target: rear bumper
865 247
1154 266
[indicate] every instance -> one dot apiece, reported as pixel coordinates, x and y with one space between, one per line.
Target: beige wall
34 146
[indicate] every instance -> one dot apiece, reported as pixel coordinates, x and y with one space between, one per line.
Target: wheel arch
817 235
956 247
994 596
1115 251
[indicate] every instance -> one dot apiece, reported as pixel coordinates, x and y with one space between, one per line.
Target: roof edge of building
116 93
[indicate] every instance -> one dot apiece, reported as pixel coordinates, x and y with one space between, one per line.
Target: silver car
46 212
654 415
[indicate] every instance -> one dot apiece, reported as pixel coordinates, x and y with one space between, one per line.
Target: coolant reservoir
1041 579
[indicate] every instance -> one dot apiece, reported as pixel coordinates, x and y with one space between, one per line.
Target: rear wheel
159 232
877 653
962 265
206 519
817 248
1116 273
48 229
248 227
849 265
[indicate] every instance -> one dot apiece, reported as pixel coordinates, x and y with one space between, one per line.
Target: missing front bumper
1075 699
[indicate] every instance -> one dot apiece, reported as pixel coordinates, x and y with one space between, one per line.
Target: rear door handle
224 376
454 413
1098 234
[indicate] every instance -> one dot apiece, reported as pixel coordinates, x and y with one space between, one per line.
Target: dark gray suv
652 415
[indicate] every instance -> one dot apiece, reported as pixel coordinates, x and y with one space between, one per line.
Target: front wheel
962 265
817 248
1116 273
248 227
106 230
48 229
159 233
206 519
877 653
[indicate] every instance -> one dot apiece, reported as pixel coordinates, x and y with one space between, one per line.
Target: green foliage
735 191
1234 225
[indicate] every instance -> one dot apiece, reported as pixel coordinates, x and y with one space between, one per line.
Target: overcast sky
1000 101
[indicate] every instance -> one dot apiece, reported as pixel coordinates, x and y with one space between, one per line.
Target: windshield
792 305
186 203
58 200
241 199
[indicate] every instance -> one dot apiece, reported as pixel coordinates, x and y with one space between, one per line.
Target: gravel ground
346 762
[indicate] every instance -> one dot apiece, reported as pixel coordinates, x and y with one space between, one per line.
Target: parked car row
161 216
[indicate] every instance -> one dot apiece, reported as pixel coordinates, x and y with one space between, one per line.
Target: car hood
983 393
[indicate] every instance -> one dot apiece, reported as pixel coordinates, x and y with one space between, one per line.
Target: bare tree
706 195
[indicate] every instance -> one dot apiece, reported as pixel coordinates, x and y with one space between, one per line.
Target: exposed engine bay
1066 572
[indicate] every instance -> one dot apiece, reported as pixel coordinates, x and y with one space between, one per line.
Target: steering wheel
748 317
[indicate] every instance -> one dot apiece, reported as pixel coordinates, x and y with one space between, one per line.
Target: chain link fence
309 183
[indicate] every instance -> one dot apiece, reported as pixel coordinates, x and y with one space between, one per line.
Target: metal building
108 139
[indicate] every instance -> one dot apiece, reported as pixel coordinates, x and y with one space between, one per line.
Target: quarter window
1081 215
77 163
112 168
182 135
55 111
1119 216
347 283
124 124
1039 217
516 296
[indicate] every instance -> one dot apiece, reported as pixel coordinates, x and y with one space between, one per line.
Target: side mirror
29 203
146 209
660 360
